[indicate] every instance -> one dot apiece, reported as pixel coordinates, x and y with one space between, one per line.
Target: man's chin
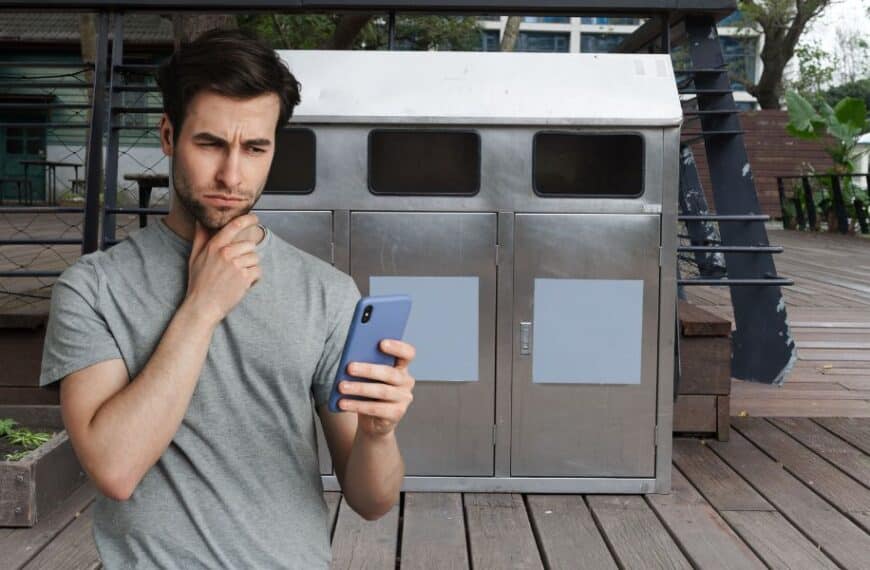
215 220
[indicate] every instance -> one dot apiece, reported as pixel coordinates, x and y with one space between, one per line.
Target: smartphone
374 319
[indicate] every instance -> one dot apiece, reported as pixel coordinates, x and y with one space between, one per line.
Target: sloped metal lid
485 88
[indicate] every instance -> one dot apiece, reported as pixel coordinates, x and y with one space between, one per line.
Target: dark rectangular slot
588 165
424 163
294 165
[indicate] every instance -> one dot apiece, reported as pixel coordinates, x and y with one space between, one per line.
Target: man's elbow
373 515
115 486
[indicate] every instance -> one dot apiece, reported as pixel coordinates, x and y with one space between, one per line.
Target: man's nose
230 173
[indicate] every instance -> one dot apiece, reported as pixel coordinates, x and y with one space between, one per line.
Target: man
189 352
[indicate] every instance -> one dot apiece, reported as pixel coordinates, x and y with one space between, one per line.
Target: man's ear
166 135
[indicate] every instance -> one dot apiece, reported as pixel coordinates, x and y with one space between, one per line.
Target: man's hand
220 269
393 390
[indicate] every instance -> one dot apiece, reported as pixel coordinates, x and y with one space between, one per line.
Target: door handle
525 338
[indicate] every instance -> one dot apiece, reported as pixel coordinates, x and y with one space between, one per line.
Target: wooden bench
703 394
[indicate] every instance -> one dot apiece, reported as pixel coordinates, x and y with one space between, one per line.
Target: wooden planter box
703 397
21 340
34 486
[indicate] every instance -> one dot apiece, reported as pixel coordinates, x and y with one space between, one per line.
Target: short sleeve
76 335
342 304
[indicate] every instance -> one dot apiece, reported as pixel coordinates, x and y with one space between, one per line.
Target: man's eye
257 150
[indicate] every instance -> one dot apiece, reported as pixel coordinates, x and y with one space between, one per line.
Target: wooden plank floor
782 493
829 317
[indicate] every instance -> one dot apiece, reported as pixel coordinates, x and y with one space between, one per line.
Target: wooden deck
791 489
829 317
782 493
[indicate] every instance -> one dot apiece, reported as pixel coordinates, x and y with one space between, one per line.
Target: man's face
221 159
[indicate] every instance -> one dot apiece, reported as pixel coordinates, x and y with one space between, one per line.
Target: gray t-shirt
239 485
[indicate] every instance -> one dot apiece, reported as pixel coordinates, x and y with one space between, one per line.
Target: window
542 42
293 167
735 18
424 163
739 56
489 41
600 43
581 164
607 21
547 19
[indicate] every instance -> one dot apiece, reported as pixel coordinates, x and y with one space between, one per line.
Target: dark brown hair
229 63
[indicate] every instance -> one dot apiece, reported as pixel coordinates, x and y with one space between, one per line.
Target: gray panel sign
587 331
443 325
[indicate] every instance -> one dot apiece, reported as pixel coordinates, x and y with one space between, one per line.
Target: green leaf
7 425
851 111
802 117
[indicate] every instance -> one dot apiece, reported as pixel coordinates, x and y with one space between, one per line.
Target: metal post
666 32
391 38
799 212
861 214
811 204
786 217
109 219
839 205
94 160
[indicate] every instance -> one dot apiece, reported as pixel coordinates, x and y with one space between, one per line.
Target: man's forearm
374 473
131 430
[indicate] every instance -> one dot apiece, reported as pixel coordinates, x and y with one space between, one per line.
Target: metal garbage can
527 203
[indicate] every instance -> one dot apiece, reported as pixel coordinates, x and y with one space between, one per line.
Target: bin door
446 263
312 233
309 231
586 290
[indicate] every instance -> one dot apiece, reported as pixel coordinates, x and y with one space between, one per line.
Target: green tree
858 89
365 32
782 22
815 71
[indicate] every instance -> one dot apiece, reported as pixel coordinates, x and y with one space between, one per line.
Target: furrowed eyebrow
210 138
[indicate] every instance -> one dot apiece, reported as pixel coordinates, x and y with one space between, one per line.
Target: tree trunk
346 31
511 33
779 45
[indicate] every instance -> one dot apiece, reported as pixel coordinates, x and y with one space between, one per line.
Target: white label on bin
587 331
443 325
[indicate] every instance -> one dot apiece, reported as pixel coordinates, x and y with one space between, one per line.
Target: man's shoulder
312 267
119 257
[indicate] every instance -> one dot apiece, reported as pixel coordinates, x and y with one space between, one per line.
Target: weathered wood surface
781 493
829 318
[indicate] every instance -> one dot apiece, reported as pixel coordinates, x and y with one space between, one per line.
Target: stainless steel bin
527 202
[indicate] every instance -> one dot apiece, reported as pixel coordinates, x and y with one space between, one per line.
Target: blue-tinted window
600 43
609 21
543 41
740 59
488 41
733 19
547 19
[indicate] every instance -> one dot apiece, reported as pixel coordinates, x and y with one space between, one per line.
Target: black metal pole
110 220
94 164
839 205
786 217
861 215
811 205
391 37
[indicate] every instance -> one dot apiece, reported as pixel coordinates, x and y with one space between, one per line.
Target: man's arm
120 429
363 445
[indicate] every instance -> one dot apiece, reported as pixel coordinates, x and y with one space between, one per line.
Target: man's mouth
222 200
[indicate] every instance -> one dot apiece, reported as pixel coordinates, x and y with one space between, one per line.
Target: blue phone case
388 319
